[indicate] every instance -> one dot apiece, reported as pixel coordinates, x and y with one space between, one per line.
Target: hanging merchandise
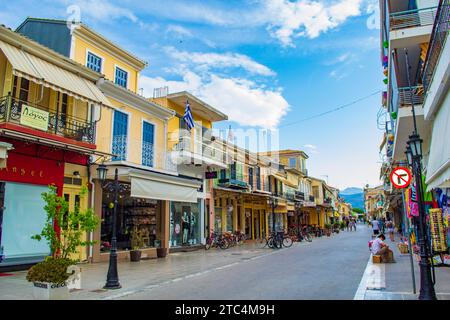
385 72
385 44
385 61
394 115
413 205
437 230
385 81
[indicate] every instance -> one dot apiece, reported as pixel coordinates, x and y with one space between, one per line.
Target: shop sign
211 175
26 169
33 117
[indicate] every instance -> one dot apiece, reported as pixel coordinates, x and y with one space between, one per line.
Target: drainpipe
91 233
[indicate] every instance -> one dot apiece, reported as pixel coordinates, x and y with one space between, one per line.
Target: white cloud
308 18
312 149
244 101
178 31
207 61
104 10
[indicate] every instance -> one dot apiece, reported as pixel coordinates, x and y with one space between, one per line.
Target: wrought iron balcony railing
289 196
438 37
299 195
412 18
59 124
312 198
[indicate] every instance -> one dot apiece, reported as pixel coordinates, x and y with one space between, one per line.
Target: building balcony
299 196
190 151
141 153
39 121
412 18
233 183
289 196
312 198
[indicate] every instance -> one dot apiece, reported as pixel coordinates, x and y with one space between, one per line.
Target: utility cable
332 110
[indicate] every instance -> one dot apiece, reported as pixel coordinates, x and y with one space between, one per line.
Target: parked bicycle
278 240
216 240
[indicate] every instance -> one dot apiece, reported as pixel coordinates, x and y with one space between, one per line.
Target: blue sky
266 63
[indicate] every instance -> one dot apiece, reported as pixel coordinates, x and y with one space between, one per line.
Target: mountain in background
354 196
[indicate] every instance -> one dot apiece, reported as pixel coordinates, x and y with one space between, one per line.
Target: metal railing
312 198
405 94
412 18
60 124
438 37
300 195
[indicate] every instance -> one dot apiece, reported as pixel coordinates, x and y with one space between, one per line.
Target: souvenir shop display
437 230
141 214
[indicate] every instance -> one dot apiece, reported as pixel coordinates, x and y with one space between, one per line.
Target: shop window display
184 224
218 220
131 213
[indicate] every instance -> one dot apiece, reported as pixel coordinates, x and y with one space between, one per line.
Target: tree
73 224
358 210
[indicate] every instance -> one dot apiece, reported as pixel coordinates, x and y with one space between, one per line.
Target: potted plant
160 252
328 229
50 278
337 226
137 243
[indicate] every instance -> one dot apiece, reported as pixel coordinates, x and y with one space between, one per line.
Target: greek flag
188 116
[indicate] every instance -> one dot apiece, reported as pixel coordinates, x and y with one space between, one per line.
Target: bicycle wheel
308 238
224 244
208 244
287 242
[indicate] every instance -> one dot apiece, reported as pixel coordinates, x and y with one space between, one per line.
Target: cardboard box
376 259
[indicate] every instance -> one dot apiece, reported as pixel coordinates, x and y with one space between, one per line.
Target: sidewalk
393 281
140 276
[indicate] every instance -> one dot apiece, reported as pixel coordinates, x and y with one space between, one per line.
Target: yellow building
48 113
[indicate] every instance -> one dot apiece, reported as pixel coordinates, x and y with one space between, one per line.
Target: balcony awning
35 69
438 168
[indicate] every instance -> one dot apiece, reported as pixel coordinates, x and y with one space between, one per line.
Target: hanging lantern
384 94
385 61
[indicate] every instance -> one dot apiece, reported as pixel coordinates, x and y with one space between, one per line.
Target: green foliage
73 224
327 225
137 241
358 210
343 225
51 270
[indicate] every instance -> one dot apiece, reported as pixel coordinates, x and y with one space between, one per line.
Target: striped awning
42 72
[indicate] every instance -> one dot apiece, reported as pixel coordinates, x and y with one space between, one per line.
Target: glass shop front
185 224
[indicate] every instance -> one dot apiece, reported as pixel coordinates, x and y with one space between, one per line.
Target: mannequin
192 229
185 221
172 241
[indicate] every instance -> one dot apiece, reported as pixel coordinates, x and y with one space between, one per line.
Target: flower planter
161 252
135 255
50 291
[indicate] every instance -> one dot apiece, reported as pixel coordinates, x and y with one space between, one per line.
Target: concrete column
165 223
266 216
235 216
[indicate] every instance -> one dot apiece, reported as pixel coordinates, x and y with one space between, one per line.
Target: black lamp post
414 156
112 280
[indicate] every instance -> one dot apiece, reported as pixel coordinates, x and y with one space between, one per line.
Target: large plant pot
74 281
135 255
161 252
50 291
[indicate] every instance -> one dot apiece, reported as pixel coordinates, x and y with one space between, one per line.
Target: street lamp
414 155
112 279
409 156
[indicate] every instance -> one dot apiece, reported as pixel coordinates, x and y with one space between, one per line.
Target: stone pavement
136 276
393 281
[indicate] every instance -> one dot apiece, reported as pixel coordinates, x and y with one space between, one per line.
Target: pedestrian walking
354 224
390 228
375 227
347 222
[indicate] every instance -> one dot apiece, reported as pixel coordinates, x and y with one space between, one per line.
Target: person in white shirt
375 226
379 248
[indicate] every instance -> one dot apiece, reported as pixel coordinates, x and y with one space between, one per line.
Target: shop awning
169 188
438 168
35 69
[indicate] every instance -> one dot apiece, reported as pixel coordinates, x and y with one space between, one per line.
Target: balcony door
120 136
148 136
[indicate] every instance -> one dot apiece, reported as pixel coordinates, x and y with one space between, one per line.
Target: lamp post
414 156
112 279
273 201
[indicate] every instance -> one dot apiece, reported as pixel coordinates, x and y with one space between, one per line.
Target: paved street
333 267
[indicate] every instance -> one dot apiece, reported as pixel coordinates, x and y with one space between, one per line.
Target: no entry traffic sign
401 177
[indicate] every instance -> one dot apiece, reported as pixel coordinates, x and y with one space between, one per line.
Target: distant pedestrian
390 229
347 222
354 224
375 226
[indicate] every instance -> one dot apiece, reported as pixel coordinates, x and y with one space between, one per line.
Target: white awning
150 189
45 73
438 168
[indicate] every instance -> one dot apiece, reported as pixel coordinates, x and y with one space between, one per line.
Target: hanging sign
35 118
211 175
401 177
